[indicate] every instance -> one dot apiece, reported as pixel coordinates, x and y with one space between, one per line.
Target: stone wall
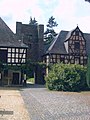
32 35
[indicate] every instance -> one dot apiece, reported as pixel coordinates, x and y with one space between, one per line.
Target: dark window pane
77 33
3 56
77 45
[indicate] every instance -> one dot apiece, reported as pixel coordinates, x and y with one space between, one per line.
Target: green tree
88 72
87 0
33 21
50 32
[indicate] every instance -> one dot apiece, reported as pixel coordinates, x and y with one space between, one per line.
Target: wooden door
15 78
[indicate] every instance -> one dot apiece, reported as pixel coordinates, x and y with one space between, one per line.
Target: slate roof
7 37
57 47
58 44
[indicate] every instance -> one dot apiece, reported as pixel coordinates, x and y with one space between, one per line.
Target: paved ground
12 106
47 105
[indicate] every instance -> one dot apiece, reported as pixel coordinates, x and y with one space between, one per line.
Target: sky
67 13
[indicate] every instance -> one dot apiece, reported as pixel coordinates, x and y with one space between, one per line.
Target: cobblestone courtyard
38 103
50 105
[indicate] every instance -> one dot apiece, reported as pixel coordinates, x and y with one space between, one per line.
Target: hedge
66 77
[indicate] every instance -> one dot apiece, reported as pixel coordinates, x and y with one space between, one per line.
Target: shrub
66 77
88 71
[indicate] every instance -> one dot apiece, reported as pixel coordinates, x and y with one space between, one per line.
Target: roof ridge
53 42
5 25
7 37
57 45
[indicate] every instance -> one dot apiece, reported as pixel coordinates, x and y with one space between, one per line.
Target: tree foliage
67 77
50 32
33 21
87 0
88 72
52 23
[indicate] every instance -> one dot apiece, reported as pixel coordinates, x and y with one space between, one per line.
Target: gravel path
50 105
12 106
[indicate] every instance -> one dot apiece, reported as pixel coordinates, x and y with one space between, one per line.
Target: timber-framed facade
69 47
13 52
12 55
28 44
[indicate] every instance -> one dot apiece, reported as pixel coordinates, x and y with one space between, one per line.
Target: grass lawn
31 80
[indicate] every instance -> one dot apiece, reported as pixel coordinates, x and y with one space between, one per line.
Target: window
3 56
16 55
16 60
77 45
12 60
9 54
21 50
77 33
9 49
16 50
24 50
24 55
9 60
77 60
20 55
13 50
12 55
23 61
62 58
81 61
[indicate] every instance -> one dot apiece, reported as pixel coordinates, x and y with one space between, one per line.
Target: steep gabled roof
57 47
58 44
71 32
7 37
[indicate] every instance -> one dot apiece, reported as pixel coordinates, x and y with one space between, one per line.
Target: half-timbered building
69 47
12 52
